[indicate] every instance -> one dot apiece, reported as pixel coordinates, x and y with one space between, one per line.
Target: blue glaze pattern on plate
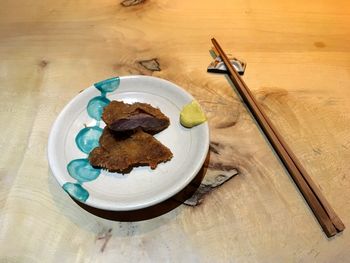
87 139
96 106
108 85
76 191
82 171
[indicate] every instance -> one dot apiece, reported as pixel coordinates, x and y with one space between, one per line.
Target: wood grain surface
248 208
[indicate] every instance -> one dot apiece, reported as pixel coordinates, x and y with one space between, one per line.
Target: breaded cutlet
121 117
120 153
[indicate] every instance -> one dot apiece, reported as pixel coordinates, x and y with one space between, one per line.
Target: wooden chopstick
335 219
324 213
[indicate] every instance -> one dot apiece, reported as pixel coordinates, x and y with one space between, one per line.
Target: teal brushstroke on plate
95 107
87 139
82 171
108 85
76 191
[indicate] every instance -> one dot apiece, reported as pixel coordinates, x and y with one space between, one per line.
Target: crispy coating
120 116
121 152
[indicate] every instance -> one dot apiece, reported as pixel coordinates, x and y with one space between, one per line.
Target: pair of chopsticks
326 216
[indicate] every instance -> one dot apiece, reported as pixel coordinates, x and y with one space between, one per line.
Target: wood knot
127 3
105 236
319 44
214 147
273 93
219 174
150 64
43 63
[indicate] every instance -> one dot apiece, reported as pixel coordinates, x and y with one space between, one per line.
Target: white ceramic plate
76 131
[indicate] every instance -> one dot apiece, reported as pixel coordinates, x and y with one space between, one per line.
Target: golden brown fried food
121 117
120 153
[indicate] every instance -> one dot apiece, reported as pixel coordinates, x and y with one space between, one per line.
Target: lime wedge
192 115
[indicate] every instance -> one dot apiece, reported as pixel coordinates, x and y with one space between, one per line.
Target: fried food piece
121 117
120 153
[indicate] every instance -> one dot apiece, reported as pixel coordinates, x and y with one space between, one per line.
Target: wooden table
250 210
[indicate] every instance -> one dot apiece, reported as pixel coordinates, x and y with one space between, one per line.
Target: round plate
77 129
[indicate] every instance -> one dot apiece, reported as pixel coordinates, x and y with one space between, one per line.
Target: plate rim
94 202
